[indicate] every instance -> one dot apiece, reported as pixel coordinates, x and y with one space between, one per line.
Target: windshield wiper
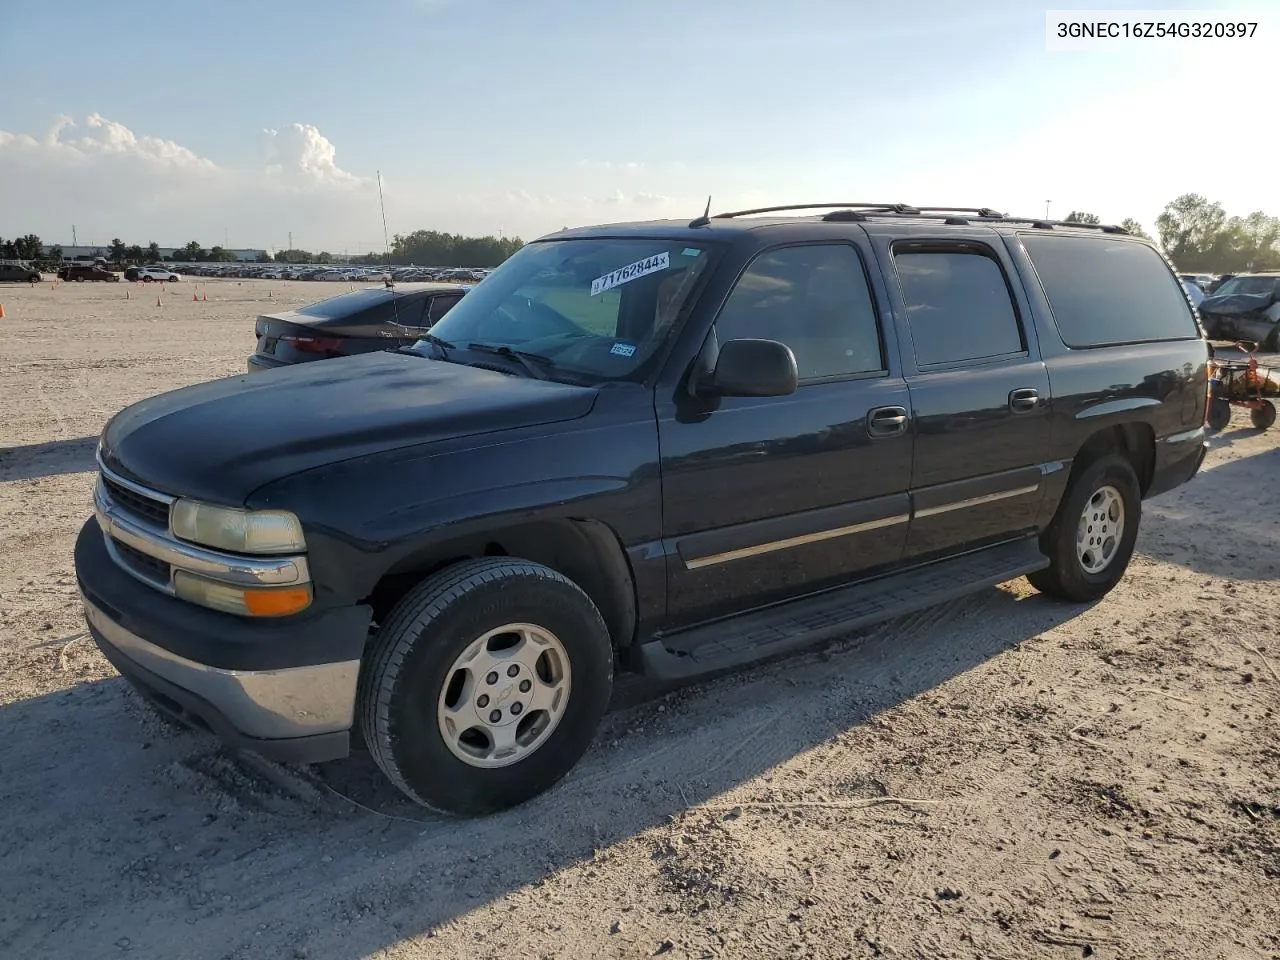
522 357
443 344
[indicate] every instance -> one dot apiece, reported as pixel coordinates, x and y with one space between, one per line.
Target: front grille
154 511
142 564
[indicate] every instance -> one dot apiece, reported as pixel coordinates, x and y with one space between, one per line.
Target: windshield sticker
624 349
690 252
632 271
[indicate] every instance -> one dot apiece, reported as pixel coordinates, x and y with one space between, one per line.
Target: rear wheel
1090 542
1219 414
486 685
1263 416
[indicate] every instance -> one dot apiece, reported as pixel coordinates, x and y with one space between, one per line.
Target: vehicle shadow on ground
162 838
50 459
1225 522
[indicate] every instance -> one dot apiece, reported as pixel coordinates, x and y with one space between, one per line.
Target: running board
796 624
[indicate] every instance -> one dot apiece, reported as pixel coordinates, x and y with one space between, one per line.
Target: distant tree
7 250
294 256
133 253
436 249
191 252
117 251
1079 216
28 247
1193 233
153 252
1135 228
221 255
54 254
324 256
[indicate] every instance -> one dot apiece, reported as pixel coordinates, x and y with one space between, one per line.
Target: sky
241 123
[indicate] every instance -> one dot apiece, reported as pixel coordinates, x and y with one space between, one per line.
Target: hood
1236 303
220 441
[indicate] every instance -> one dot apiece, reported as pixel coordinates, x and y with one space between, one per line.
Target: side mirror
752 368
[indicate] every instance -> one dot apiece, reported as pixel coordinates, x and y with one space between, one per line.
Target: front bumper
286 690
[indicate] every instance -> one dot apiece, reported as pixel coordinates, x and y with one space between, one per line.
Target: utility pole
74 241
1046 208
290 239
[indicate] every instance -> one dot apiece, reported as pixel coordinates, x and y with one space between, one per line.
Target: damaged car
1246 307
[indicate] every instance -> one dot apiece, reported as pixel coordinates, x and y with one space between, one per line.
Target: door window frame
966 247
878 315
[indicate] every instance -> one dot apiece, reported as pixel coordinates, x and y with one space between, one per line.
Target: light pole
1046 208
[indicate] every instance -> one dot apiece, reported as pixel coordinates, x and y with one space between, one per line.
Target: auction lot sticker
632 271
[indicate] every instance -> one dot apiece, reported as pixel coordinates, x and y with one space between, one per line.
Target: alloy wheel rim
504 695
1100 530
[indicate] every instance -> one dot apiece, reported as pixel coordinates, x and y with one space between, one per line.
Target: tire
147 279
1264 416
411 673
1219 415
1068 577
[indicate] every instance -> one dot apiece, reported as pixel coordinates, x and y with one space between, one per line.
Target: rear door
770 497
979 391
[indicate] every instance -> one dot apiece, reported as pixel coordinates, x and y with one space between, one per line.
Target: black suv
670 448
18 271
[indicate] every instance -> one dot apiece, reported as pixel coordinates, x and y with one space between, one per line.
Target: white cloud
113 181
302 150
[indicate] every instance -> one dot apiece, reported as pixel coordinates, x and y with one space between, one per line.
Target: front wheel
1264 415
485 685
1090 542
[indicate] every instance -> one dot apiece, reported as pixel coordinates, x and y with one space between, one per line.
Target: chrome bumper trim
160 544
265 704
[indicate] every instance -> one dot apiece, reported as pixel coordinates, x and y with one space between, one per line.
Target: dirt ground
1005 777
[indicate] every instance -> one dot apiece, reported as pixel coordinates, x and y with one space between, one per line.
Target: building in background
83 252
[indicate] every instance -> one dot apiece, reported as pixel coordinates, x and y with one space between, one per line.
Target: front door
765 498
979 391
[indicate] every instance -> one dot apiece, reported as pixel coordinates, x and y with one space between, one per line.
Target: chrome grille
144 507
142 564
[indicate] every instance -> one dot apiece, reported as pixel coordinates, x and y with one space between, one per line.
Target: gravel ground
1004 777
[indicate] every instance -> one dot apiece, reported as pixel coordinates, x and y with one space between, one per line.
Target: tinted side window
815 300
1103 290
440 306
958 306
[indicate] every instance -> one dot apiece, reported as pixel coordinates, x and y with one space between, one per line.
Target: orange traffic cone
205 298
157 301
194 298
1 311
126 295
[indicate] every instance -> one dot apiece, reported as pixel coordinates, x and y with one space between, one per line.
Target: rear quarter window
1105 291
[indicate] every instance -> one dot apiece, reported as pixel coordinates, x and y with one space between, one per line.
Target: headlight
245 601
235 530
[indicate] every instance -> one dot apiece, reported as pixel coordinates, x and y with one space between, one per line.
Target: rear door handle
887 421
1024 400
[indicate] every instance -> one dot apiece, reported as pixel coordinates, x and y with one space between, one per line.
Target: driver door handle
1024 399
887 421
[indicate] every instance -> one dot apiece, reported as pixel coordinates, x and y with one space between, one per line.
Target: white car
148 274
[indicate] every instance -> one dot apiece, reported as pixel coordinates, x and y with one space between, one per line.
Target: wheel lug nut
515 709
512 670
495 716
482 701
525 686
492 677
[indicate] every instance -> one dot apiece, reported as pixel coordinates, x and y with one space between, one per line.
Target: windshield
598 309
1247 285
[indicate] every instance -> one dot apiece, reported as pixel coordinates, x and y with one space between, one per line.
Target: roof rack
957 216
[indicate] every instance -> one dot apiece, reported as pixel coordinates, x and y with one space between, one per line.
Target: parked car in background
152 273
1246 307
373 318
672 448
18 271
80 272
